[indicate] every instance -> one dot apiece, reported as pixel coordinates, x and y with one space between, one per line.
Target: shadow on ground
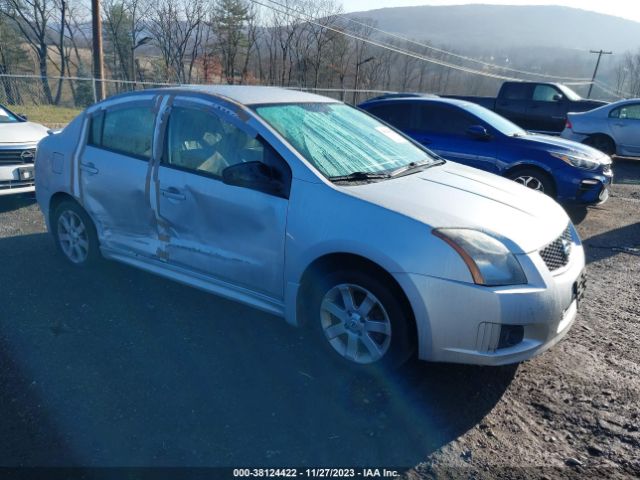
14 202
613 242
116 367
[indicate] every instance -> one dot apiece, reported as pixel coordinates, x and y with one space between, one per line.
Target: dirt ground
120 368
577 405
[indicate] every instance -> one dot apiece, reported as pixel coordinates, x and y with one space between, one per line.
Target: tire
535 179
377 333
603 143
75 234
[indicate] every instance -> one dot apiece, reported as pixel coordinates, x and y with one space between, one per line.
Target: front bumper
460 322
584 187
16 179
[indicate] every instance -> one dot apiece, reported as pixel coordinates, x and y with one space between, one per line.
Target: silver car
613 129
312 210
18 140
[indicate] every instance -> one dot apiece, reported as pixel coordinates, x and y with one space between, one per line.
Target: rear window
128 131
447 119
397 114
515 91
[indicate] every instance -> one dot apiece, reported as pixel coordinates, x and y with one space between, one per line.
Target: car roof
246 94
447 101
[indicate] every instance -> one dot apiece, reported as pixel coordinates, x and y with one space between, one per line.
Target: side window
396 114
204 143
545 93
629 112
128 131
444 119
515 91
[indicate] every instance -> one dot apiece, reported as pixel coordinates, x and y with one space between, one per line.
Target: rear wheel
359 321
75 234
603 143
534 179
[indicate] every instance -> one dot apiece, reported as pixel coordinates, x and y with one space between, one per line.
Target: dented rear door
235 235
113 168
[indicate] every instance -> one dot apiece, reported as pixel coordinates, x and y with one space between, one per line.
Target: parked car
537 106
613 129
310 209
18 140
473 135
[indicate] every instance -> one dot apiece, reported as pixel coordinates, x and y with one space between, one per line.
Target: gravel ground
117 367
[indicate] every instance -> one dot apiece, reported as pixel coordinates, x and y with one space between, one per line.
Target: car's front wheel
534 179
75 234
360 321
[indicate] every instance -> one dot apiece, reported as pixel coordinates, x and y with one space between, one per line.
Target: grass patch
48 115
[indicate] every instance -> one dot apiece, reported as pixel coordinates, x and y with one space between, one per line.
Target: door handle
619 124
89 168
172 193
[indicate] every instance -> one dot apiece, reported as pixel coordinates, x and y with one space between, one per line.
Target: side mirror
557 97
23 116
256 176
478 132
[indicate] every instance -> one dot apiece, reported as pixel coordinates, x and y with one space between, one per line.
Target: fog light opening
510 335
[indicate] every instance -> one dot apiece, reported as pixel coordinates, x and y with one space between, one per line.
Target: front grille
557 253
11 184
17 156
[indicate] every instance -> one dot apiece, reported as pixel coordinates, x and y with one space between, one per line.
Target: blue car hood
557 144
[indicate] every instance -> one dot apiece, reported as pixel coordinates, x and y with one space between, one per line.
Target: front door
232 233
443 129
547 111
112 172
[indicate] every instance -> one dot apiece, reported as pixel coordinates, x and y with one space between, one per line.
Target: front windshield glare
339 140
6 116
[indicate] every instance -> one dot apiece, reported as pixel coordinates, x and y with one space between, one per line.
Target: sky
629 9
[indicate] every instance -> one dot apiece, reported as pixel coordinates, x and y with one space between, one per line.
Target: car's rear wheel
359 321
75 234
534 179
603 143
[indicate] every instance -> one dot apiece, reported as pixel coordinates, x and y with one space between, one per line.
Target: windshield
7 117
570 94
340 140
504 126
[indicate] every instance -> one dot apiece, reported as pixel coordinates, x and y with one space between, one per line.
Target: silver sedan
613 129
317 212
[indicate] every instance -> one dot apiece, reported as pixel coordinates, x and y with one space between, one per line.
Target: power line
390 47
462 57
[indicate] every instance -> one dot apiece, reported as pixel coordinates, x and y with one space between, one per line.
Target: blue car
467 133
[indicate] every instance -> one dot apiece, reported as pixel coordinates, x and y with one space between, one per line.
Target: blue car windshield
340 140
7 117
498 122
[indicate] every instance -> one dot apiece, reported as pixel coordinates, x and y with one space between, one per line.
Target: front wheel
534 179
360 321
75 234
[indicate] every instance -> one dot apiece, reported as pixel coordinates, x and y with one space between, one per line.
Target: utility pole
355 86
595 71
98 59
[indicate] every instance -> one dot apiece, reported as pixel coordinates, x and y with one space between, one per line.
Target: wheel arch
528 165
344 261
591 136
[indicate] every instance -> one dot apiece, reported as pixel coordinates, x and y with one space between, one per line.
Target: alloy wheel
530 182
355 323
73 237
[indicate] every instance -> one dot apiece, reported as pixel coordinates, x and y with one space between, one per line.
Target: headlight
489 261
579 161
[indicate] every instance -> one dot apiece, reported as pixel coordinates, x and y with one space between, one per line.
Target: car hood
21 132
558 144
586 105
453 195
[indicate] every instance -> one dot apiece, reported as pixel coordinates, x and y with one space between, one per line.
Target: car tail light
568 125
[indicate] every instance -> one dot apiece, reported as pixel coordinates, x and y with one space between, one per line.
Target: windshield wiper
415 167
359 176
